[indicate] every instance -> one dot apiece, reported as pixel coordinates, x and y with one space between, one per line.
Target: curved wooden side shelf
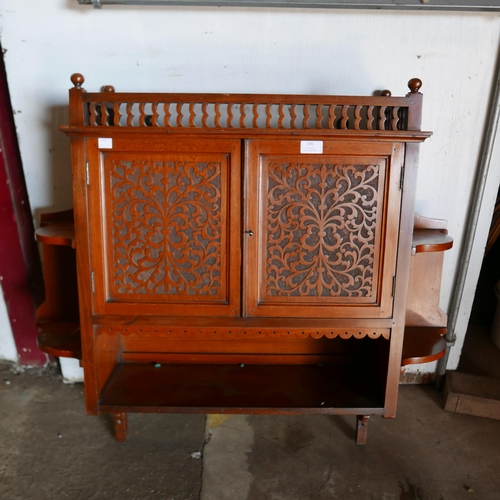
431 240
57 233
57 228
61 339
423 344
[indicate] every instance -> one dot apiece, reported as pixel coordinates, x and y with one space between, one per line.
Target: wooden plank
212 133
218 358
472 395
258 99
20 267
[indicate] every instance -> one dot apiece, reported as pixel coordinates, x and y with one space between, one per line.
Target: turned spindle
77 79
414 85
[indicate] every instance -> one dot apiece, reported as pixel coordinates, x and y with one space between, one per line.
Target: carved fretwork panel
167 222
165 227
320 244
321 229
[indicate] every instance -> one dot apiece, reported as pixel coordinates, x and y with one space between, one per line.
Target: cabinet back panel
265 345
371 353
261 350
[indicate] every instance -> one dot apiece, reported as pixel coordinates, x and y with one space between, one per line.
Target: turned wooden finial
108 88
77 80
414 85
386 93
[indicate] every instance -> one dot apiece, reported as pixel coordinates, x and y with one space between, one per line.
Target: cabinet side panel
108 355
402 277
82 231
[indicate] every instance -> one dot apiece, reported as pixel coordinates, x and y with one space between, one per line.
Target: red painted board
20 268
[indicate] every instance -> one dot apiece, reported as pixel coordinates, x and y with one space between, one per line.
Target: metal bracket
96 4
451 343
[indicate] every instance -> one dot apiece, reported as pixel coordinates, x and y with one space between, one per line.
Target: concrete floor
49 449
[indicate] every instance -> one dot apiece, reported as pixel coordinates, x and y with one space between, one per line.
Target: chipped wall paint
262 50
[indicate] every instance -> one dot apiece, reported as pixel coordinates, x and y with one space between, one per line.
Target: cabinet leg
362 428
121 431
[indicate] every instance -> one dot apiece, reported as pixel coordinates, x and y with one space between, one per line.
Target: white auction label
105 143
315 147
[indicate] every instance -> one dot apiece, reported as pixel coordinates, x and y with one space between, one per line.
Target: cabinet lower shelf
250 389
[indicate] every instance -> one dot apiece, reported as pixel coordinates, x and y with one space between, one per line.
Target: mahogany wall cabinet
243 253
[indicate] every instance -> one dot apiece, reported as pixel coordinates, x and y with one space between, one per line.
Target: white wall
7 346
260 50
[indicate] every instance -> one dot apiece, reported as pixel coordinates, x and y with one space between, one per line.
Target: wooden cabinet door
321 229
165 226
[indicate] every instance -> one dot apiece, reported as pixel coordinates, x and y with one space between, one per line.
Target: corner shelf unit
426 322
57 318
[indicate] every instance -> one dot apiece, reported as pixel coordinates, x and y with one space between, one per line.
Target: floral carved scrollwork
166 227
321 229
